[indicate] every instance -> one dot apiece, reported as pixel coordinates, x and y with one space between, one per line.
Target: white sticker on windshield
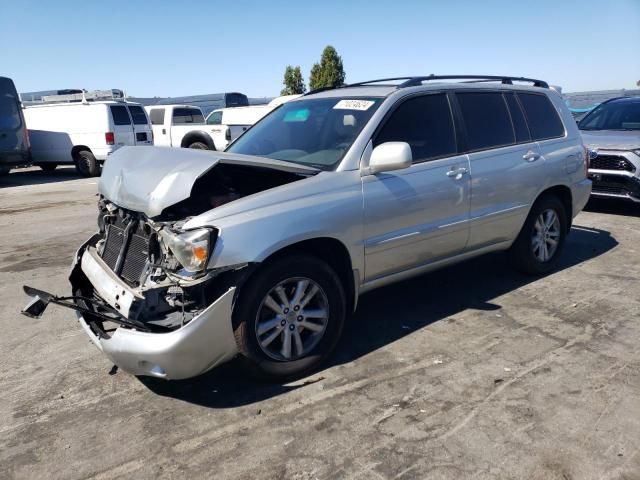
353 105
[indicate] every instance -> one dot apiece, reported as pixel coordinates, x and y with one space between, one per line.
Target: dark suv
15 150
612 132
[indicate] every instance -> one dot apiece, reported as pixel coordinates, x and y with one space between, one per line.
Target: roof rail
84 97
413 81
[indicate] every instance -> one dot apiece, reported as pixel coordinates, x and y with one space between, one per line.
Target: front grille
610 189
612 162
127 240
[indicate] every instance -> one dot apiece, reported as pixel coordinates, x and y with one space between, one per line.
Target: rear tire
540 243
48 167
86 164
199 146
311 337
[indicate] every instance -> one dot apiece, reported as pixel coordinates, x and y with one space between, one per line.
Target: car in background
612 132
83 129
229 123
14 137
181 126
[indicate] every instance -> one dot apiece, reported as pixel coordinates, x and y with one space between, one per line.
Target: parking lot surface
471 372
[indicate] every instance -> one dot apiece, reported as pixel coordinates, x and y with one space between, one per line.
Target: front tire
289 317
540 243
87 165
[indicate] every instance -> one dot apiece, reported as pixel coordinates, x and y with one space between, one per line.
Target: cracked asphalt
471 372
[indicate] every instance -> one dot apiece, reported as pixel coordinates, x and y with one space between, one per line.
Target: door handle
164 132
531 156
457 172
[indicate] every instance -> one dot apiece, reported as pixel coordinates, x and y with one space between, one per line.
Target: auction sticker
353 105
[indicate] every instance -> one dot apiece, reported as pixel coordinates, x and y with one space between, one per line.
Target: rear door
506 166
13 138
122 126
161 132
420 214
141 126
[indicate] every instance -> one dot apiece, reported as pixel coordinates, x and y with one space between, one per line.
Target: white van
84 133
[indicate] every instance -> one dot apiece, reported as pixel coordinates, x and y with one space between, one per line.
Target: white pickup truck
181 126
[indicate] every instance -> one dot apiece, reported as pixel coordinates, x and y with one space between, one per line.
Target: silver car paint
150 179
394 224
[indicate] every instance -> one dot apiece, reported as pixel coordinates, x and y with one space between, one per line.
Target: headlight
191 248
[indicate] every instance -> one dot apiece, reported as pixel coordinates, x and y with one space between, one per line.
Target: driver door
420 214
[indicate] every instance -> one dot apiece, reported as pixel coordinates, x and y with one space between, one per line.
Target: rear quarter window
486 120
157 116
187 115
542 116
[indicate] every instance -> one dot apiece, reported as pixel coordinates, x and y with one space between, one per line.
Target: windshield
313 132
623 115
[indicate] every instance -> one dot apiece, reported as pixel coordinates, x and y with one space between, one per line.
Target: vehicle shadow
389 314
613 206
35 176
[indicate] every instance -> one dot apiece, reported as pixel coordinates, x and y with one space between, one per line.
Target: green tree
329 72
293 82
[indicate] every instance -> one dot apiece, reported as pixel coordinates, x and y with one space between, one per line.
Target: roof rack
84 97
413 81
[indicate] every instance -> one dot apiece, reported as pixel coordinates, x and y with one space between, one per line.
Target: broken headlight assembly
191 248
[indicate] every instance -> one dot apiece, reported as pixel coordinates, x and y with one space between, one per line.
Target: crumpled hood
150 179
611 139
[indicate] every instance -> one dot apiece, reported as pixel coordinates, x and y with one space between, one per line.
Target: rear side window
425 123
187 115
157 116
120 115
138 115
542 116
517 117
486 119
215 118
9 106
236 100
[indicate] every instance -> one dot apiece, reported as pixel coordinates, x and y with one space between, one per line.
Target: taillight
26 138
227 134
110 138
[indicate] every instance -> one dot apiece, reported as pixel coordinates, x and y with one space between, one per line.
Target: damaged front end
143 293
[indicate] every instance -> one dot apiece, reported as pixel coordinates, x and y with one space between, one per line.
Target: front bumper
206 341
623 185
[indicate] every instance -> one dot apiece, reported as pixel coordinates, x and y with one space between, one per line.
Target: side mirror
390 156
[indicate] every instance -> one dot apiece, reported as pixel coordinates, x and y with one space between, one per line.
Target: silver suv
612 132
263 250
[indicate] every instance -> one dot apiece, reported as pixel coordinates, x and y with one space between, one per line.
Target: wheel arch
334 253
197 136
562 192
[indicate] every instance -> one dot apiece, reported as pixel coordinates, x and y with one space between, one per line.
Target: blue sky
173 48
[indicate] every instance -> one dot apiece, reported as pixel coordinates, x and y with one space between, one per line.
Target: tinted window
616 115
486 119
120 115
137 113
517 117
215 118
541 115
9 106
236 100
425 123
156 116
187 115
